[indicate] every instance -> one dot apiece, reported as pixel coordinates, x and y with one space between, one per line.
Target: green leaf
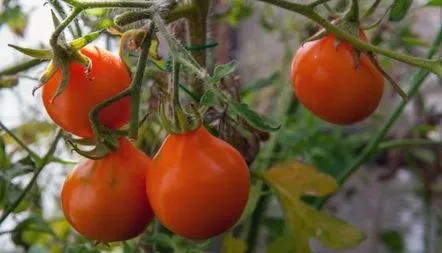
253 118
104 24
208 98
393 240
4 158
29 132
399 10
434 3
291 181
126 247
16 20
83 41
36 53
275 227
31 230
222 71
284 244
239 10
233 245
8 81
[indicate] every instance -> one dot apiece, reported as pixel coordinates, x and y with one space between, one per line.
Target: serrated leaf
233 245
253 118
222 71
293 180
208 98
399 10
434 3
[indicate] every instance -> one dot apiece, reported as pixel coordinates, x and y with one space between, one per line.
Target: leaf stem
406 143
22 66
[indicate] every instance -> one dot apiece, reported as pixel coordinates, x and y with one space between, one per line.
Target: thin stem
353 13
317 3
416 81
431 65
372 9
54 37
59 8
31 153
406 143
138 81
22 66
40 165
117 4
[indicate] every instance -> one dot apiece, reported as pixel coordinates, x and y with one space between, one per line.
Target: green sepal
45 54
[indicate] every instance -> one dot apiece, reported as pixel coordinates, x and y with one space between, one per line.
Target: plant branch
40 165
431 65
406 143
22 66
372 9
317 3
416 81
31 153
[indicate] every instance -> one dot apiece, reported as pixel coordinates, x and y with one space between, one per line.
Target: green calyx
182 122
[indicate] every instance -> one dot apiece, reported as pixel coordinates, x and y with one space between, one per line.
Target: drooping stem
41 163
138 81
434 66
416 81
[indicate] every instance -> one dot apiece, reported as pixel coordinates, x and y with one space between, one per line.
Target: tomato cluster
197 185
333 84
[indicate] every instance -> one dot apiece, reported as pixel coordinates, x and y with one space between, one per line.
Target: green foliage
399 10
393 240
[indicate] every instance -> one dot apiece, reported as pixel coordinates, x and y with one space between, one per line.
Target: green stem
198 36
353 13
116 4
406 143
431 65
22 66
31 153
59 8
372 9
138 81
317 3
40 165
54 37
416 81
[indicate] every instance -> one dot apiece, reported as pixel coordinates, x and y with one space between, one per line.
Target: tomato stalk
416 81
434 66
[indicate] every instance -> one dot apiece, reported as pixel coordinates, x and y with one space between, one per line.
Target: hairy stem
431 65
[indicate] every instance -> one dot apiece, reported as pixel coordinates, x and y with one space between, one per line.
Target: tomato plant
240 165
107 77
329 82
198 185
105 200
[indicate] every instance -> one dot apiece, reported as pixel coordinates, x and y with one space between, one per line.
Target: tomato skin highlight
105 200
198 185
108 76
327 83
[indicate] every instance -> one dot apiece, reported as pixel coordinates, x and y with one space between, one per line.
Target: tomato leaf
17 20
233 245
253 118
434 3
208 98
394 240
291 181
399 10
222 71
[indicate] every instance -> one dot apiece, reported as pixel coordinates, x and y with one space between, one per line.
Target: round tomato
108 76
198 185
327 82
105 200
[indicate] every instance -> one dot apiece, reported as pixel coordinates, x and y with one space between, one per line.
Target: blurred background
388 198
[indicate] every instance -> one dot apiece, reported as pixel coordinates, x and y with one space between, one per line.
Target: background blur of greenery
262 40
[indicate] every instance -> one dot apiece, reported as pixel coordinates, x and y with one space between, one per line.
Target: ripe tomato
327 83
108 76
198 185
105 200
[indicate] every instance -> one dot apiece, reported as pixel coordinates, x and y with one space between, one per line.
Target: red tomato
198 185
105 200
108 76
327 83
